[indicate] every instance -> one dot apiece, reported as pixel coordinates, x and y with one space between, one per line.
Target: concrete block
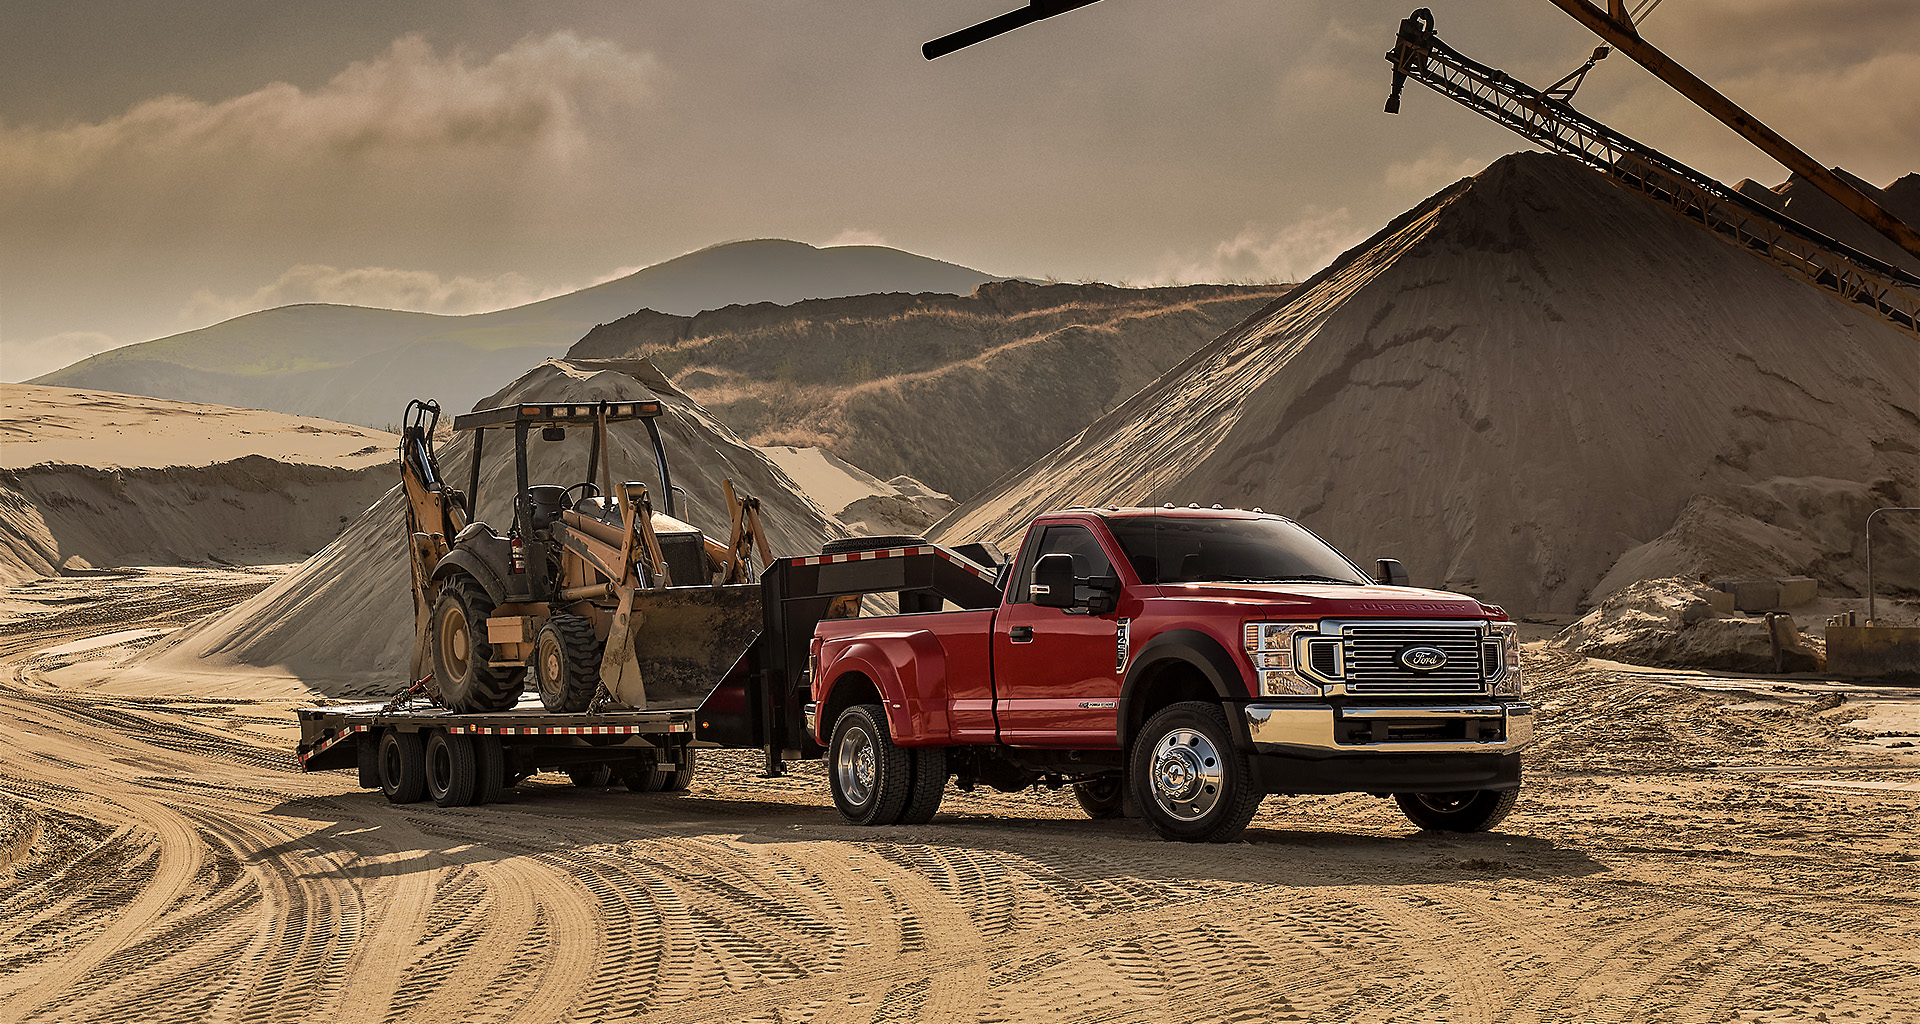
1721 601
1752 595
1798 590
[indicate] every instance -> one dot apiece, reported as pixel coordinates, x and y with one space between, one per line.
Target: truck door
1054 668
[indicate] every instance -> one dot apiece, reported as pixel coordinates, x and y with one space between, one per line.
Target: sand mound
92 479
863 503
343 621
952 390
1514 385
1670 623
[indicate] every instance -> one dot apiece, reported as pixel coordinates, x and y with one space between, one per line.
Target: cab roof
1190 511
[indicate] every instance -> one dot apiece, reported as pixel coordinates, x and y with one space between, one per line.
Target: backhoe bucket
679 644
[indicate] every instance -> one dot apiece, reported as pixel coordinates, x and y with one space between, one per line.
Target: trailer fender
461 560
1166 667
910 671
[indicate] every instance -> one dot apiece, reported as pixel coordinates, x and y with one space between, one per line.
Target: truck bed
324 731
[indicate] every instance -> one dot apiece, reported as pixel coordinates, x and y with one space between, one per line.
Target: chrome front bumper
811 713
1315 730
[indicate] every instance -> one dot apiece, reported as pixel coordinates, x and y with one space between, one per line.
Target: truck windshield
1177 549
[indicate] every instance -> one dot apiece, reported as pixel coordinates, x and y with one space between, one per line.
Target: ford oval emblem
1423 659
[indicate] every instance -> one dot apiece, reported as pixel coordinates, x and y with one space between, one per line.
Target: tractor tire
591 776
1191 783
458 638
871 778
841 547
403 767
929 784
490 761
1104 797
567 663
1476 811
453 775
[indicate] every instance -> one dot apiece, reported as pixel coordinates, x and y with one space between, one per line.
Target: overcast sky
166 166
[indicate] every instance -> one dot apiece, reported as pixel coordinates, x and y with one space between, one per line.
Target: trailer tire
453 776
642 777
1192 784
677 778
490 765
403 767
591 776
870 777
567 663
1476 811
457 635
367 760
1103 797
929 784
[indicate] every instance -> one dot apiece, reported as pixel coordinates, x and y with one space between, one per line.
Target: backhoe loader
605 601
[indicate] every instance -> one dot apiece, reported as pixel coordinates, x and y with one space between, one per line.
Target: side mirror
1392 573
1053 581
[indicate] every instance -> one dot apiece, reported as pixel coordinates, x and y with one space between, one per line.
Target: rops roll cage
596 415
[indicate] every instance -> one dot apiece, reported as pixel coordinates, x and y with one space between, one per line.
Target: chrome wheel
853 764
1186 774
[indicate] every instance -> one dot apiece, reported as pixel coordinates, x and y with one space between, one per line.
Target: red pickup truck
1178 663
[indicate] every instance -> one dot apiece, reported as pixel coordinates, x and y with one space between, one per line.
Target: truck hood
1317 600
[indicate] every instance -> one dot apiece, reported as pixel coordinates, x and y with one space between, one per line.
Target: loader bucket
682 642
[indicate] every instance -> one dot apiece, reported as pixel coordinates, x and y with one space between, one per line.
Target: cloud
1290 253
408 102
1432 170
383 287
857 236
25 360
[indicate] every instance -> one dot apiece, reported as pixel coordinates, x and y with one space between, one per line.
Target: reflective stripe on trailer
559 730
329 742
862 556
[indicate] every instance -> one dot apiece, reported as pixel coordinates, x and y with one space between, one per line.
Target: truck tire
871 778
929 768
453 775
490 762
591 776
458 638
367 760
1192 784
642 776
567 663
1103 797
841 547
1476 811
403 767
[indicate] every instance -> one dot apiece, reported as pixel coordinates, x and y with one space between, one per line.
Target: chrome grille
1373 659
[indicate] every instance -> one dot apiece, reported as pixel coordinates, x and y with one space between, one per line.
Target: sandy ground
1690 848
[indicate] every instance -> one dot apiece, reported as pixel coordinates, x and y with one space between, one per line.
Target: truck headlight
1274 650
1503 659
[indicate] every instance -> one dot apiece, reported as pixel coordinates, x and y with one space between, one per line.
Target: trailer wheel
567 663
1475 811
591 776
642 776
490 763
1190 781
929 784
677 778
403 767
468 684
1104 797
453 776
869 775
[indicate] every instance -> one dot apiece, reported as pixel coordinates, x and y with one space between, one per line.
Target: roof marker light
1260 510
1216 504
1193 504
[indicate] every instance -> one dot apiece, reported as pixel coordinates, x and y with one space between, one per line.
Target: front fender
1190 647
910 671
460 560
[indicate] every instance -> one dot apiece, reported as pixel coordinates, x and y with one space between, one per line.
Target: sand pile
952 390
1529 379
1803 202
343 622
1672 623
864 503
93 479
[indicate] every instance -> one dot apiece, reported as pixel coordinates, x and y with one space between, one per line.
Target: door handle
1020 634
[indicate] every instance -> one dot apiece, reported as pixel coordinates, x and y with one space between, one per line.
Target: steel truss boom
1829 264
